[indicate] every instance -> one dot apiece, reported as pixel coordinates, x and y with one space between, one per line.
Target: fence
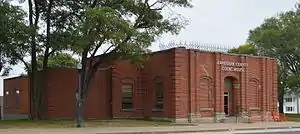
196 45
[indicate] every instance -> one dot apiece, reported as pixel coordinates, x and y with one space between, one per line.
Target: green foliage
57 60
13 34
5 71
127 27
279 37
247 49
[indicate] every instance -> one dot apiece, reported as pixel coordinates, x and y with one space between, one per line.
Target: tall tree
125 27
13 36
279 37
47 36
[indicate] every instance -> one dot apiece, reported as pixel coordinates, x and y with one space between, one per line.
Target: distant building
176 84
291 104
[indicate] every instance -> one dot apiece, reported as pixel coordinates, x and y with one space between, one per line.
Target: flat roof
14 77
225 53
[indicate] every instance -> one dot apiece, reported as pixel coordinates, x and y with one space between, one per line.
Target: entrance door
226 103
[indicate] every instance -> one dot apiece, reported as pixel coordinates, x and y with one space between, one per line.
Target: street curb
212 130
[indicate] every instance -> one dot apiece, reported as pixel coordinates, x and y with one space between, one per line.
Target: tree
125 27
47 35
13 36
278 37
248 49
57 60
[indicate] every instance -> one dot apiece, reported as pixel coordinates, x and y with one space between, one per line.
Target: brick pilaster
275 86
243 82
179 84
263 83
218 80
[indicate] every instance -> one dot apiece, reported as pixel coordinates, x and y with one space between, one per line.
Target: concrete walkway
151 130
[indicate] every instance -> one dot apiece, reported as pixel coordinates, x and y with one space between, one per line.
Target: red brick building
176 84
15 99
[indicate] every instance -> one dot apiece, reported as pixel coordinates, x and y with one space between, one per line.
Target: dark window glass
228 83
159 96
127 96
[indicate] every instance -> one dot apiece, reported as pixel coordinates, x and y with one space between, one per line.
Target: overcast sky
220 22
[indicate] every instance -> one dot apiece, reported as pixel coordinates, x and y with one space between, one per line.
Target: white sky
221 22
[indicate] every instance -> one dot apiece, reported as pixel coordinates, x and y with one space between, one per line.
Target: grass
24 123
293 117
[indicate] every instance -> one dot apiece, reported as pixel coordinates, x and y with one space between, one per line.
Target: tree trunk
280 105
79 100
33 21
281 97
79 109
1 66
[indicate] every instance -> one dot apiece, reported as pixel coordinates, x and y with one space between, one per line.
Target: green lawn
293 117
24 123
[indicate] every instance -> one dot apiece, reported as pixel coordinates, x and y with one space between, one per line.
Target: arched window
159 93
127 94
159 104
127 97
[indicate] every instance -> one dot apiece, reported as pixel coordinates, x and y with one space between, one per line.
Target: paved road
290 132
277 131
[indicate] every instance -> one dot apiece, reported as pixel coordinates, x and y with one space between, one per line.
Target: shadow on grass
25 123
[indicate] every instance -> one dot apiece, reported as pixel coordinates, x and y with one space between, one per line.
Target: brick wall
14 104
60 95
192 81
257 85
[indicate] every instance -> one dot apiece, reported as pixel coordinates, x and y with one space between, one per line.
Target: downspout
189 88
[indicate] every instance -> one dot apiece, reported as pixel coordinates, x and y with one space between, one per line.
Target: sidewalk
160 130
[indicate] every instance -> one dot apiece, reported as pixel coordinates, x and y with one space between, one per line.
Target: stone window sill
157 110
127 110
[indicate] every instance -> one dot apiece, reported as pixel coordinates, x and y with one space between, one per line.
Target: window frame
289 109
159 96
288 100
228 83
127 100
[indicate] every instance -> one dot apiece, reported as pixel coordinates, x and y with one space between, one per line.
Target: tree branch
98 46
25 63
37 12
